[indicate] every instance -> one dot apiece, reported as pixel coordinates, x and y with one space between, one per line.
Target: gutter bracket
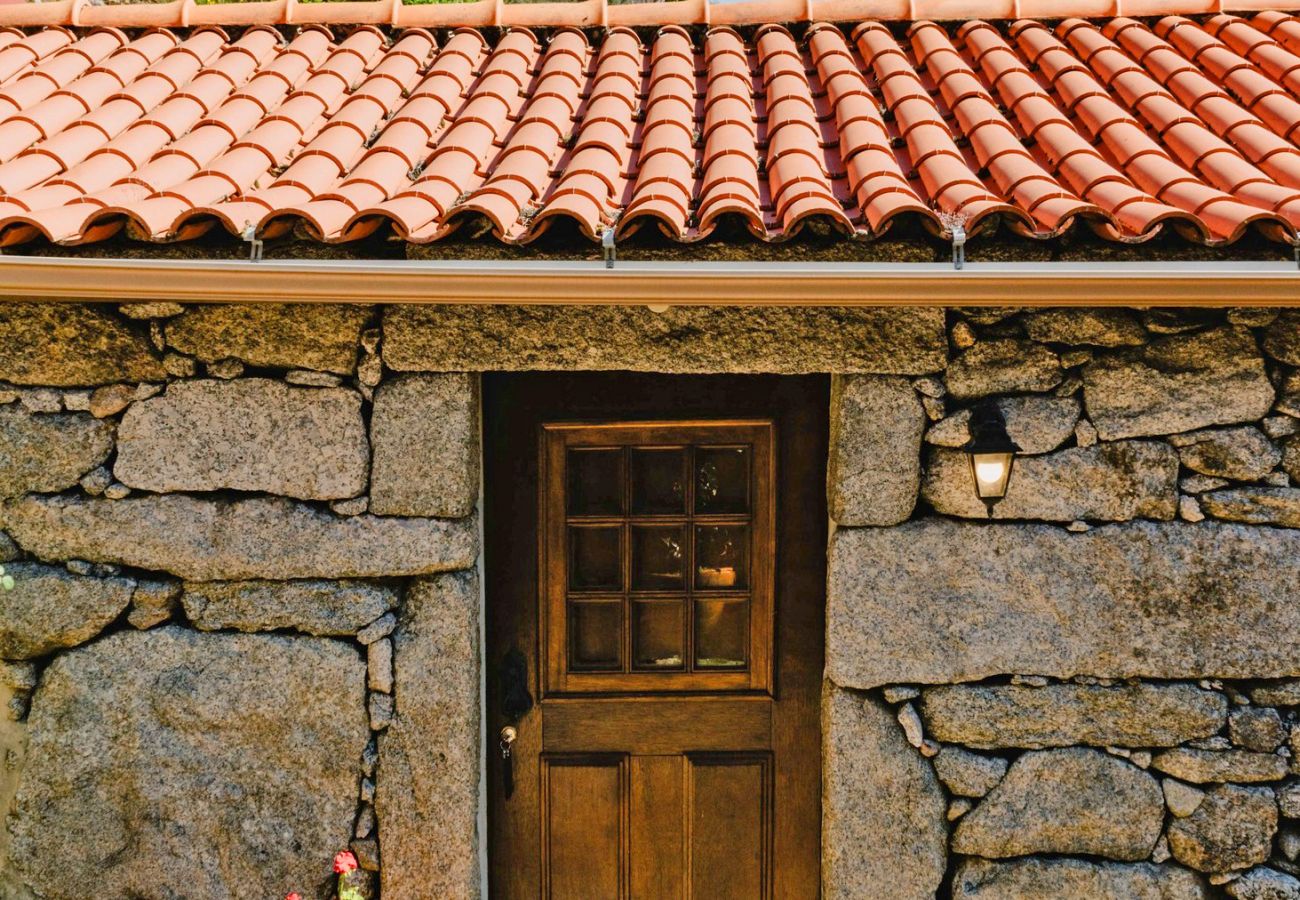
958 247
1296 246
254 242
607 246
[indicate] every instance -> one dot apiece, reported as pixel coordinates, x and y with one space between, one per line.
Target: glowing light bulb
989 471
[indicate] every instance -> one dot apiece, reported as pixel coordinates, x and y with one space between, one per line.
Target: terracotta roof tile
1124 126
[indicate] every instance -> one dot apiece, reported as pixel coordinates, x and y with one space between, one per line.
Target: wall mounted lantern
992 453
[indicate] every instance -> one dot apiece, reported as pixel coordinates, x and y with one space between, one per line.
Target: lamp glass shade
992 471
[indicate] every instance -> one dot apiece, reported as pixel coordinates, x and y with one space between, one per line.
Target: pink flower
293 895
345 862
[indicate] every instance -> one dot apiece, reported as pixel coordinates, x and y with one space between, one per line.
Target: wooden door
655 563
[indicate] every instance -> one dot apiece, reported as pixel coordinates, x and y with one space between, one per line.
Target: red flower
293 895
345 862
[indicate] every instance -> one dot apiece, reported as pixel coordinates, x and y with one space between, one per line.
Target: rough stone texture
48 452
153 602
1182 799
1058 715
781 340
1036 424
427 796
314 607
1074 879
1283 693
1232 829
49 609
1256 505
939 601
1282 339
1089 327
875 466
252 434
209 540
1243 453
968 774
1257 728
175 764
425 434
297 336
1003 366
1291 458
16 683
1178 383
883 812
1066 801
1207 766
1109 482
71 345
1264 884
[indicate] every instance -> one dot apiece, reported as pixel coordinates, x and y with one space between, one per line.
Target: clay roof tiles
1122 125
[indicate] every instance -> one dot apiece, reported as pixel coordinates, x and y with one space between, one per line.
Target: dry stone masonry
1103 678
245 627
237 571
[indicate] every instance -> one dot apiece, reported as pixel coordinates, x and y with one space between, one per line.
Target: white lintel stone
773 339
938 601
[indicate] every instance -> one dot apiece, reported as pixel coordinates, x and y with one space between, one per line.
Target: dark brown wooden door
655 569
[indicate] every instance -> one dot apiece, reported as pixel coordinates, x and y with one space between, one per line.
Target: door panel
658 827
730 808
739 723
583 816
659 559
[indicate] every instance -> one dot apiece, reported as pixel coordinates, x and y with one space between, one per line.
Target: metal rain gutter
652 283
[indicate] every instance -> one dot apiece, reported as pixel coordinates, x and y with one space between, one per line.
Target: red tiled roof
1124 126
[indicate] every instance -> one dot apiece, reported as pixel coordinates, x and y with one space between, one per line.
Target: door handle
515 704
508 736
515 699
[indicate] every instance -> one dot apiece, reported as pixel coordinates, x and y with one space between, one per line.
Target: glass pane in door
721 480
721 634
721 557
658 634
595 482
658 482
658 558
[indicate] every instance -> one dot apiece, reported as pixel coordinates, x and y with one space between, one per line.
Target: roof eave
652 283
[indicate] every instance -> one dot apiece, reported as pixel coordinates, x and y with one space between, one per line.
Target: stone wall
245 627
244 630
1094 694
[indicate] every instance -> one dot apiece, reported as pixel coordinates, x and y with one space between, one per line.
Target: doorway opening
655 583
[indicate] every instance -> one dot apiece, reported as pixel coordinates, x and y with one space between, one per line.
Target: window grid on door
660 552
658 578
